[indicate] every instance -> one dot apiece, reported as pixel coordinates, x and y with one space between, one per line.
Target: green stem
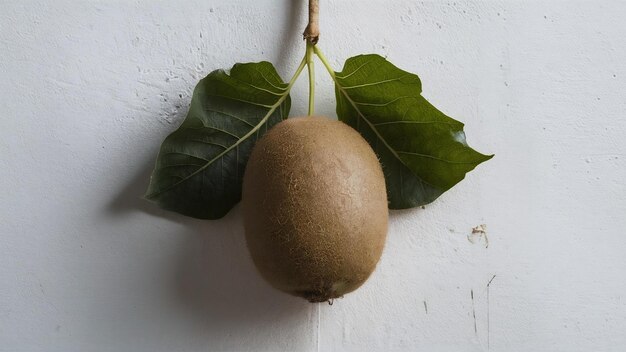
309 62
319 54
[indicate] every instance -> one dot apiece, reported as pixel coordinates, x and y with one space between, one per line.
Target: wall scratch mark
474 311
425 307
319 319
488 326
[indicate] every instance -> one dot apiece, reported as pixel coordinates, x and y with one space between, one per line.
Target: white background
89 89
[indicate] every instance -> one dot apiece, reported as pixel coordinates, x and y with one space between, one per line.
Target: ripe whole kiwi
315 208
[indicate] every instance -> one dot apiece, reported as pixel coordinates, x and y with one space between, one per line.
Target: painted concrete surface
88 90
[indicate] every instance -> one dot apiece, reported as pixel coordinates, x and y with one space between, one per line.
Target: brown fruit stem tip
319 296
312 30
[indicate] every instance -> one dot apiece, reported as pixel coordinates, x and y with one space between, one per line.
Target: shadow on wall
215 279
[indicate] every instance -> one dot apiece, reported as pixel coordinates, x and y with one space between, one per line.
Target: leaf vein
212 128
185 154
178 165
376 83
435 158
393 152
411 123
209 143
355 71
240 100
268 81
383 104
230 115
245 137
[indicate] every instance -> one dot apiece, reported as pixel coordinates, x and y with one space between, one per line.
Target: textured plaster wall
88 89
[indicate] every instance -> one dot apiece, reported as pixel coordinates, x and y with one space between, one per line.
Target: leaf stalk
324 61
297 73
310 51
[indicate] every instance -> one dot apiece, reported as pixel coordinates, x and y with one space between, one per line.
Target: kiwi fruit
315 208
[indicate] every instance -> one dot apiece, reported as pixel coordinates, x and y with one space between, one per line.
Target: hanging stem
312 31
312 35
311 67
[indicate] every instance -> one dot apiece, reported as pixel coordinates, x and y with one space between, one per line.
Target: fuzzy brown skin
315 208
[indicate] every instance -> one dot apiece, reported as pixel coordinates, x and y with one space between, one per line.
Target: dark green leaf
199 170
423 151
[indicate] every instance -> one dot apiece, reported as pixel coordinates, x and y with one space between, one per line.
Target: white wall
88 90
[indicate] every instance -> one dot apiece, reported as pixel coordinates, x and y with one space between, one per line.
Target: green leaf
199 170
423 151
